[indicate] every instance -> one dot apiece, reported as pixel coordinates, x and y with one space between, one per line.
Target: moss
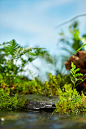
70 101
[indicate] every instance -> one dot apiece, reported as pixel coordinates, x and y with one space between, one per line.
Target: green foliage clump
24 86
70 101
52 86
28 87
35 86
11 103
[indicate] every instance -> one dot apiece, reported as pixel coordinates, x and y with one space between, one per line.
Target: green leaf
76 70
79 74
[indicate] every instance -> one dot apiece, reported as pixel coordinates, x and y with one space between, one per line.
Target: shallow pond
41 120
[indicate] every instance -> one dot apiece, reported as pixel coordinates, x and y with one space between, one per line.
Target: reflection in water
41 120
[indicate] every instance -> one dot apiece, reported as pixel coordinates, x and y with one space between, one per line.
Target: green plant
70 101
48 88
74 71
54 83
83 39
11 103
76 77
13 52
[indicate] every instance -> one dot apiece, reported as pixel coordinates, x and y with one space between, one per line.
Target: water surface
41 120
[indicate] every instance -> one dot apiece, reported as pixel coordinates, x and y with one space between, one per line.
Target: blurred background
34 23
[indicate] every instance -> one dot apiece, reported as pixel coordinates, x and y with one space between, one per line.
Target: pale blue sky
33 22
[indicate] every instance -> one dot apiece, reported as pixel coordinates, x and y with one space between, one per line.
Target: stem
81 81
13 72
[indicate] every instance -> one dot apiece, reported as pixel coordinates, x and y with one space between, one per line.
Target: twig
69 20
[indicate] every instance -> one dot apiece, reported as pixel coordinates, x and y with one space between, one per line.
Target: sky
33 22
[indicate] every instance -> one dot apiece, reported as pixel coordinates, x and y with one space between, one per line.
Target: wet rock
79 59
37 102
40 105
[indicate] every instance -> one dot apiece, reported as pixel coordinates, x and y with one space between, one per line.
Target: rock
37 102
79 59
40 105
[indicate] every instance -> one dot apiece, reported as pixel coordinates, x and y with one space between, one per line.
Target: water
41 120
